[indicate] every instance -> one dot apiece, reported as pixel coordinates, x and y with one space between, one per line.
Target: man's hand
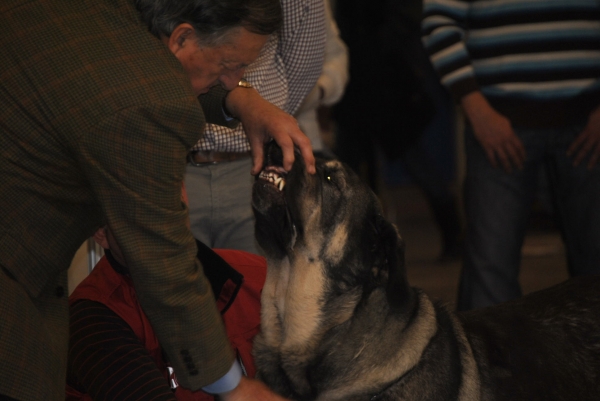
263 121
587 142
494 132
250 390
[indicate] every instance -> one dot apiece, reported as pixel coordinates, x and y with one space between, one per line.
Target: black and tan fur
340 321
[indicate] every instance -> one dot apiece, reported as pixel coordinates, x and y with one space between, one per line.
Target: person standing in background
217 181
526 74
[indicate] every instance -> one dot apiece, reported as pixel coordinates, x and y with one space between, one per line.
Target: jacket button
60 291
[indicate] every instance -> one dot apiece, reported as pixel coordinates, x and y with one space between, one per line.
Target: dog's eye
330 178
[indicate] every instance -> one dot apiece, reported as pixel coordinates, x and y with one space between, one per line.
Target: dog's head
331 216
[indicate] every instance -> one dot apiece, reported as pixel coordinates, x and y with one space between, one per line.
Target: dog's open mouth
274 175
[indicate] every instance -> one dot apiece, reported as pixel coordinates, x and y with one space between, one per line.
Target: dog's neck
291 314
294 323
418 327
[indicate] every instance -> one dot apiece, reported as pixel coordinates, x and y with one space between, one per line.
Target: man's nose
230 80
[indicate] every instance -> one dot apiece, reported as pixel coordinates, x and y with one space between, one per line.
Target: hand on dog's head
333 216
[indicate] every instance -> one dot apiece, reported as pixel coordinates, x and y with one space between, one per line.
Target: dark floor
543 262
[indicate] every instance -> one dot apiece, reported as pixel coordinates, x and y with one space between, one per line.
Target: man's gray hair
212 19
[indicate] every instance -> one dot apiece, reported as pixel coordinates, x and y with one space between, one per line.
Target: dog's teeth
274 178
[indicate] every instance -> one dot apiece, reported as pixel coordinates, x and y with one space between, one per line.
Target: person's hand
263 121
250 390
494 132
587 142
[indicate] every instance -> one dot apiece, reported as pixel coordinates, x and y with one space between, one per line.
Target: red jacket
237 285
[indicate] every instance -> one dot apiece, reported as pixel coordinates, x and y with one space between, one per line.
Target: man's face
224 64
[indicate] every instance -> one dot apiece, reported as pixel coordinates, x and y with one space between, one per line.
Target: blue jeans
497 207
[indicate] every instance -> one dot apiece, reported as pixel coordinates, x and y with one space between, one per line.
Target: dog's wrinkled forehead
343 193
333 164
340 177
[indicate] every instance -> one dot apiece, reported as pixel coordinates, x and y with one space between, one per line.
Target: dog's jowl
340 321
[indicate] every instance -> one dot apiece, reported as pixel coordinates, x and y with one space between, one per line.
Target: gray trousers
220 204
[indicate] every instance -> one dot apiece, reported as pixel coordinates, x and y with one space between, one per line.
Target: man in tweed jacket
96 117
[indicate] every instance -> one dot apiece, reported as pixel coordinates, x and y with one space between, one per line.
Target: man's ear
180 37
100 238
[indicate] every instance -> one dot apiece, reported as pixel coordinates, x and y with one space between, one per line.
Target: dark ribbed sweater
537 62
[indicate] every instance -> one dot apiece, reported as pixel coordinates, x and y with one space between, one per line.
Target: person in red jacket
113 351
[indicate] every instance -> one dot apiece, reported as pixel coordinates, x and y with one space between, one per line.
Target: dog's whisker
294 235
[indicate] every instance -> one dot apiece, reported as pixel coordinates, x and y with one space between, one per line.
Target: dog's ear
392 245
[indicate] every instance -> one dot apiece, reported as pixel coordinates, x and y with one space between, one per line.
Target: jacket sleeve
212 105
135 162
444 29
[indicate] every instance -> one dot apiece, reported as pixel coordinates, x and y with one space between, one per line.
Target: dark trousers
498 206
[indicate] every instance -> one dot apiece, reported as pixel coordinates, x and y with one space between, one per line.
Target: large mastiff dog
341 322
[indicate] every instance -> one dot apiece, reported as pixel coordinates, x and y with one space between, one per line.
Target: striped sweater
536 61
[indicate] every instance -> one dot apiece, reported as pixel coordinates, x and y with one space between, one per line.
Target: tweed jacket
96 118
